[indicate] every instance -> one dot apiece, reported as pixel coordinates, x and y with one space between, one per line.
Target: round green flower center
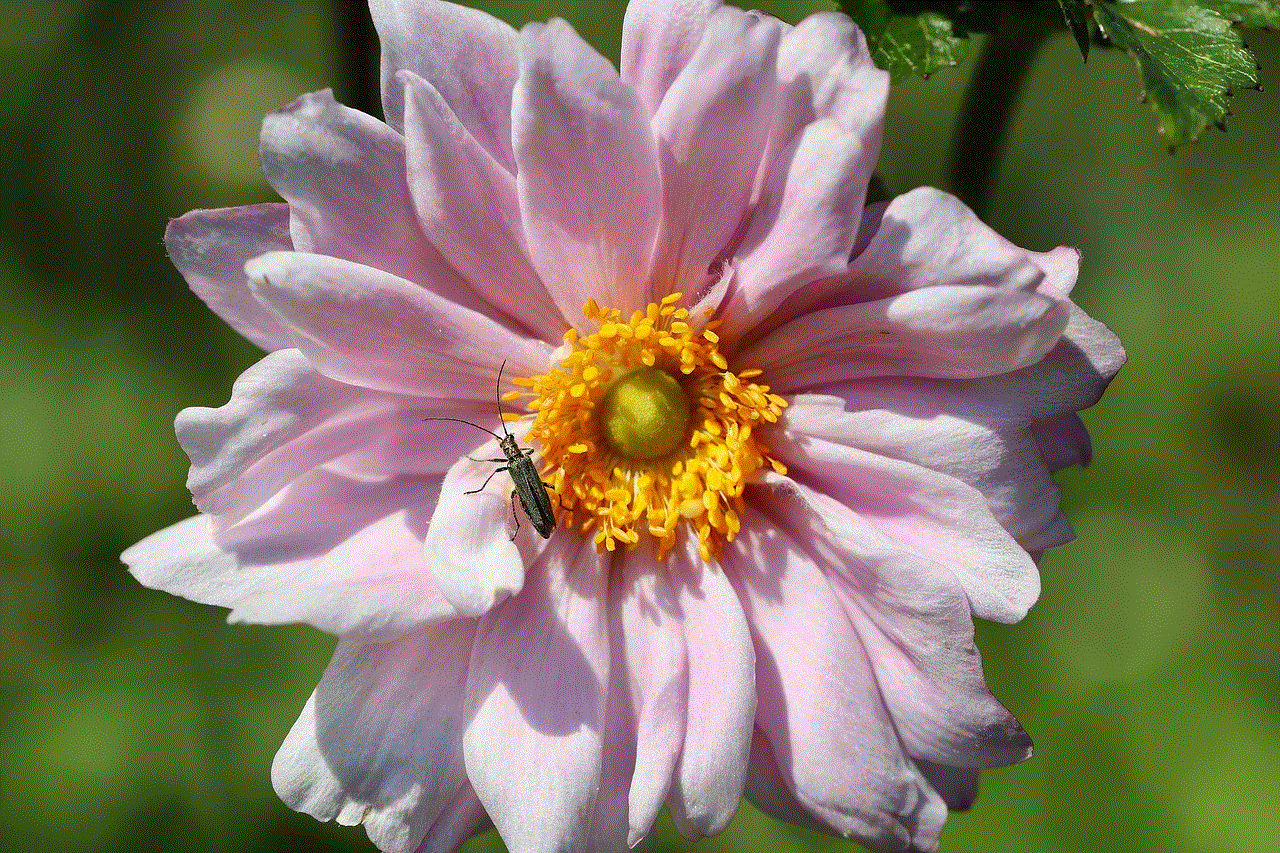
645 413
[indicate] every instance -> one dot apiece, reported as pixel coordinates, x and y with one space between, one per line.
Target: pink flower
793 445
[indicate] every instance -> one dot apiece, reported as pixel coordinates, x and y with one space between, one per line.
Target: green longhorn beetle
529 488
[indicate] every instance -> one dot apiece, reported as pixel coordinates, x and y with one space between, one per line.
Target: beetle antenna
497 390
468 423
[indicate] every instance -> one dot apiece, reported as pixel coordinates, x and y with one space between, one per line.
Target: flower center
643 428
645 413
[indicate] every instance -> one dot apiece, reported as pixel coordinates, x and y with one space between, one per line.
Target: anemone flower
791 444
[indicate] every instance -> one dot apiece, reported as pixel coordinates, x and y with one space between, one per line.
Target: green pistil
645 414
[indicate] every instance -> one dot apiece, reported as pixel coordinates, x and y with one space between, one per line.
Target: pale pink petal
1057 532
953 435
983 431
412 441
767 788
657 670
826 72
359 574
958 786
922 239
366 327
913 619
344 176
380 740
468 545
819 704
467 204
1063 442
947 331
536 700
183 560
941 519
927 237
210 247
284 420
805 225
462 818
721 701
610 824
467 55
373 583
658 39
1070 378
822 150
1061 268
320 509
712 128
588 172
273 403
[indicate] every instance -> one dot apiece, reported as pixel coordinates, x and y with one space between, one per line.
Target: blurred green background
131 720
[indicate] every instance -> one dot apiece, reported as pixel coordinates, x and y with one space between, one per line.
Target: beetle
529 488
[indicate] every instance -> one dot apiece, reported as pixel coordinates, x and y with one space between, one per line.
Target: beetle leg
487 479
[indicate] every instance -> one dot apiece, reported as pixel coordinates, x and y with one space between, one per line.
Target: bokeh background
129 720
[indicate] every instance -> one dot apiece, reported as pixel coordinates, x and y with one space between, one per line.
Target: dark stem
993 93
358 48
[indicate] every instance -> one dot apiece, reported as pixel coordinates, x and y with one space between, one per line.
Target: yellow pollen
643 428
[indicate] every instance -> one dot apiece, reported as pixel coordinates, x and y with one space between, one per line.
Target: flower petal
274 431
373 582
658 39
182 559
1063 442
767 788
819 704
913 618
721 703
999 459
826 72
466 201
657 670
942 520
343 174
463 818
805 224
822 149
366 327
610 825
536 700
380 740
210 247
923 239
469 57
468 548
958 786
981 431
712 128
274 402
947 331
588 172
926 238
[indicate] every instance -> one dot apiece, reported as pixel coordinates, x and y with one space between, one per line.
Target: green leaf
1247 13
906 44
1189 57
1076 13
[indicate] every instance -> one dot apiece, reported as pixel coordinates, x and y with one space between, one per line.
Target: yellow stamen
681 445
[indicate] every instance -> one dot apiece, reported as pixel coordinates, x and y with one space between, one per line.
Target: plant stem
358 48
993 93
